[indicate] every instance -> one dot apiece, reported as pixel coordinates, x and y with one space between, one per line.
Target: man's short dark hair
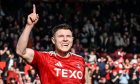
61 26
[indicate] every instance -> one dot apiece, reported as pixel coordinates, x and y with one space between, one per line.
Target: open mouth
65 44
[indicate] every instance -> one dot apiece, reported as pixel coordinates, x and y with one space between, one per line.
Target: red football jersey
54 69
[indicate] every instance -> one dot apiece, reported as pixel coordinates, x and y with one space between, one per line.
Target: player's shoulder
50 53
76 55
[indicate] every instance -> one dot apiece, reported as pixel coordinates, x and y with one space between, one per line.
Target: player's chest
66 69
65 64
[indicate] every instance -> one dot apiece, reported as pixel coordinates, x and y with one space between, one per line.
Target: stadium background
101 27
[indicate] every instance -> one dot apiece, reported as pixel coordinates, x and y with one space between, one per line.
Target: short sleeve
35 58
39 59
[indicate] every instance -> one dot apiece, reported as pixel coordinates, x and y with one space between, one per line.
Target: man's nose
65 38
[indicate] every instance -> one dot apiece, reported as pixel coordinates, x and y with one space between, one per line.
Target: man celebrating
54 67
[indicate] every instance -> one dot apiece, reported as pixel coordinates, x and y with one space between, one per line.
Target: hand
93 76
5 48
33 17
8 52
117 77
3 51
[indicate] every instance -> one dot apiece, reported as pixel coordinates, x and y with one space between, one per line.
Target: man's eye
69 36
60 36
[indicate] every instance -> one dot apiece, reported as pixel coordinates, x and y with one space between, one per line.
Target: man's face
63 40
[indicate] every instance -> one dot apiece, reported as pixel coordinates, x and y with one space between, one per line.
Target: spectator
134 75
134 60
11 74
10 61
84 35
101 64
92 57
32 74
96 75
124 77
3 51
127 65
114 77
107 74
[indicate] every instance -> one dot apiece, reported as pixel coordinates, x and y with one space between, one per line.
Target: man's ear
72 39
53 41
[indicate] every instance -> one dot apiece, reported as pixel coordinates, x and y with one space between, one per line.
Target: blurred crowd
106 70
106 34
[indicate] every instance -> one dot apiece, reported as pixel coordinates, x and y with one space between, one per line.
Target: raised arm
21 48
3 51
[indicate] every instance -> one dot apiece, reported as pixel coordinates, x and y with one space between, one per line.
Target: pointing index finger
34 8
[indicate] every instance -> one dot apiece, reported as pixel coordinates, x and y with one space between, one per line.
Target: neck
62 54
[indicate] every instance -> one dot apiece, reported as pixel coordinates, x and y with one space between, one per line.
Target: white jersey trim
53 53
76 55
